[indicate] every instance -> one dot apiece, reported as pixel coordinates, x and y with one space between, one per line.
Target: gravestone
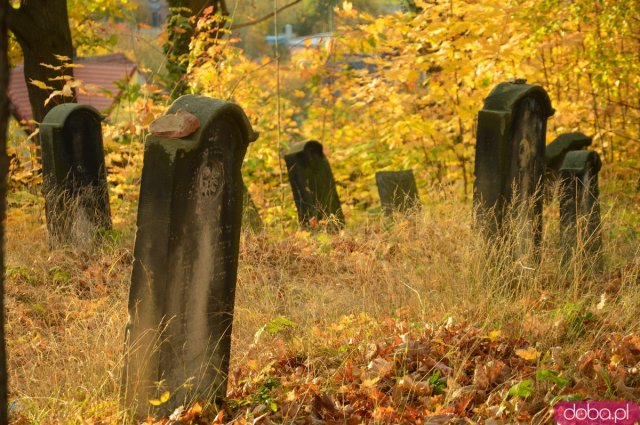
398 191
313 186
509 162
250 215
579 205
186 259
74 174
561 145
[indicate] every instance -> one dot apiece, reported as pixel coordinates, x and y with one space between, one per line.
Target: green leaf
522 389
279 324
275 326
551 376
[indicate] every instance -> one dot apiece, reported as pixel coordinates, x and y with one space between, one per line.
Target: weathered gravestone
250 215
313 186
186 259
509 163
75 178
561 145
398 191
579 205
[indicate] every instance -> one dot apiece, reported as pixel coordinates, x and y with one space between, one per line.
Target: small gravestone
398 191
509 163
74 174
579 205
313 185
250 215
561 145
178 337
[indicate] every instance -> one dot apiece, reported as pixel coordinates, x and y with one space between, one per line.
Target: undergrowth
388 321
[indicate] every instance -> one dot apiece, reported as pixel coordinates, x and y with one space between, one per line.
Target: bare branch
264 18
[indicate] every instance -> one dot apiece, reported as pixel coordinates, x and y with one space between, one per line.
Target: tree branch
264 18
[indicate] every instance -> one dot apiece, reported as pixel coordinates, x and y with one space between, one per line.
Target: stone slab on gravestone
178 337
398 191
74 174
250 215
579 205
313 186
561 145
509 162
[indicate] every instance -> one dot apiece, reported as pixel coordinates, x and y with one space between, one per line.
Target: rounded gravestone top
311 146
57 116
506 97
208 110
577 161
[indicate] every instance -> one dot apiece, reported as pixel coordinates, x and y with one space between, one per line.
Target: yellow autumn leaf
163 399
63 58
370 383
529 354
494 335
40 84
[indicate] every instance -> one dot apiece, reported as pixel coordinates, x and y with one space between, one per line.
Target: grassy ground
416 321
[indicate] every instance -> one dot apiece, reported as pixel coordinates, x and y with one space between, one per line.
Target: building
104 77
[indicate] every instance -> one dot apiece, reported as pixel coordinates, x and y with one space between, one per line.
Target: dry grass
67 309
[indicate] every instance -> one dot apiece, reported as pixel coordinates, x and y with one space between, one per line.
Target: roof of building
100 72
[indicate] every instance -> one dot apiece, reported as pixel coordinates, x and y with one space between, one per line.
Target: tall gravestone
186 259
509 163
313 185
75 177
579 205
397 190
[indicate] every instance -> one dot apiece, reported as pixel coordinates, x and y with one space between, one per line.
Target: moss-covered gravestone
561 145
398 191
579 205
178 337
510 160
75 178
313 185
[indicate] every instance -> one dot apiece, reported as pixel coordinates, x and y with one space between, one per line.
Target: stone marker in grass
398 191
74 174
579 205
178 337
561 145
313 186
510 160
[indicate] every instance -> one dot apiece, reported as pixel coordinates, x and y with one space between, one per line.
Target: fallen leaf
530 354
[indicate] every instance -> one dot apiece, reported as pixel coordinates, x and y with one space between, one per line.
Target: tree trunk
4 166
41 27
180 34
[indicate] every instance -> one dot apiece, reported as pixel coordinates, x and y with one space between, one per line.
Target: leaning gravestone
178 337
579 205
509 162
398 191
75 178
561 145
313 185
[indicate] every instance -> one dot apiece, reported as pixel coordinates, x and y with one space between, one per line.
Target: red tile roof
103 72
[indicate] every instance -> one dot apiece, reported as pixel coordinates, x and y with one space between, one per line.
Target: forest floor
415 321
